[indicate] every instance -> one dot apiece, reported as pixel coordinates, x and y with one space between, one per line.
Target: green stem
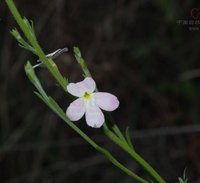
47 62
115 128
135 155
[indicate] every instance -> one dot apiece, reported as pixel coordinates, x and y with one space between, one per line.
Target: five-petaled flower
90 103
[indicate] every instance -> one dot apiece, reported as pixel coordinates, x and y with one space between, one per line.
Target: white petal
106 101
94 116
76 110
89 84
78 89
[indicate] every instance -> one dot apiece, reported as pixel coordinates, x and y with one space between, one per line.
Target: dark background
137 50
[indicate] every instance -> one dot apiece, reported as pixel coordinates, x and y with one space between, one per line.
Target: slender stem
135 155
116 128
47 62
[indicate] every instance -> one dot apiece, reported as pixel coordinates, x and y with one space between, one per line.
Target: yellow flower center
87 96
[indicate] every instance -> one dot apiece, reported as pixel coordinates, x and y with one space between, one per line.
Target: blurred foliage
136 50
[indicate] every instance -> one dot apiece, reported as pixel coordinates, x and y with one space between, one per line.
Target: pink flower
90 103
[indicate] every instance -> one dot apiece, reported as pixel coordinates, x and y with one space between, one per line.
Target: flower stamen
87 96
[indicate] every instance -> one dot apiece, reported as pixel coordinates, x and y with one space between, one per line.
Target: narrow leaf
128 137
